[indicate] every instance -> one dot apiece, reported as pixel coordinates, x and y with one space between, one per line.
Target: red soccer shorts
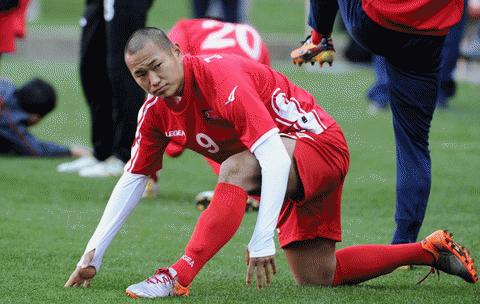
322 162
7 32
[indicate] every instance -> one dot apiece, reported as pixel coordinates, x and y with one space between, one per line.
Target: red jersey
208 36
425 17
229 104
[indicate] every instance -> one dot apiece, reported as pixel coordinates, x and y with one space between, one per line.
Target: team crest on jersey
211 114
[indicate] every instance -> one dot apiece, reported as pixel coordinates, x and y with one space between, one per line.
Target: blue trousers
378 92
412 66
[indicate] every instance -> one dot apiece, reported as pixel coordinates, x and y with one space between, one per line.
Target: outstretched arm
275 165
24 143
124 199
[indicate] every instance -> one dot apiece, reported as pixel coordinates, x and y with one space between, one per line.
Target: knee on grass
324 279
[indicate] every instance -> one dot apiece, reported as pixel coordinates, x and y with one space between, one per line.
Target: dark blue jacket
14 135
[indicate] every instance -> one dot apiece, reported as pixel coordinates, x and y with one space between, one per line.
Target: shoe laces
161 276
432 270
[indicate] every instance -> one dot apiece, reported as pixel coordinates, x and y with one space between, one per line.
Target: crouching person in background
23 107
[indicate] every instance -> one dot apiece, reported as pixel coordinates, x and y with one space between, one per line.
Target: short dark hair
36 97
140 37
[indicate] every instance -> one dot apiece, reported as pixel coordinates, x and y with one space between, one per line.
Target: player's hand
264 267
82 275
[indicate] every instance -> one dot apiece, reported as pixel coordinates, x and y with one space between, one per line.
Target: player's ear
176 49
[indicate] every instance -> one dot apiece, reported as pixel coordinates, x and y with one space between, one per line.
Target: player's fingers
274 265
71 280
250 269
76 284
247 256
86 283
260 270
268 273
68 284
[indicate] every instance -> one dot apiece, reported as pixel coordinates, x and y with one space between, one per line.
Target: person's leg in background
414 86
94 78
244 10
413 97
472 49
231 10
450 52
200 8
378 94
321 25
354 53
128 97
96 87
121 18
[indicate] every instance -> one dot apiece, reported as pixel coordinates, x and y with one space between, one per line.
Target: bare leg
312 262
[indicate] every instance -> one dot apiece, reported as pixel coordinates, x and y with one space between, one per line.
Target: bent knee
243 170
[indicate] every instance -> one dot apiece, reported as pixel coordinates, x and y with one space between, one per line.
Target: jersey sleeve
149 143
178 34
265 57
237 100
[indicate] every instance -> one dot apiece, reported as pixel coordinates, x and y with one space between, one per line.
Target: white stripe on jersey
138 136
290 113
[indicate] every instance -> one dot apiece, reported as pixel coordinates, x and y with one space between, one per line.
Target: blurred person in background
23 107
378 94
111 93
12 23
230 9
471 50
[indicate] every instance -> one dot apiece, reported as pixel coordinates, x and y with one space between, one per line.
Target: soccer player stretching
270 137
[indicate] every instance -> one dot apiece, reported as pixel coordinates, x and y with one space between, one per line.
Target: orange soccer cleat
450 257
310 52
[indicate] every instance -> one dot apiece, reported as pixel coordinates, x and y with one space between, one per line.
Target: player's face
157 71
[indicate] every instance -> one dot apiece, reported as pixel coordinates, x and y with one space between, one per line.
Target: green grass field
277 16
46 218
